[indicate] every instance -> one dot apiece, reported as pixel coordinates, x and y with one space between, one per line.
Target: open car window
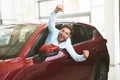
81 32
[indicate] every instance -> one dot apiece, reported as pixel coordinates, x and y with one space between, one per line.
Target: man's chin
61 40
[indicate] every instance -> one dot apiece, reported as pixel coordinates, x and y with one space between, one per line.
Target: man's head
65 32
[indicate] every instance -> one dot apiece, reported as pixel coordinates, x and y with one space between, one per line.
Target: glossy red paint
48 49
10 66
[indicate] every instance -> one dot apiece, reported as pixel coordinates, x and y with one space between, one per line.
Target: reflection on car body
20 58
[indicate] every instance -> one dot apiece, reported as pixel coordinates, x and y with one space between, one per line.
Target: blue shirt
53 39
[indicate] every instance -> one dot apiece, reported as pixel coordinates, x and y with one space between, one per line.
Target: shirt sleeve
74 55
51 23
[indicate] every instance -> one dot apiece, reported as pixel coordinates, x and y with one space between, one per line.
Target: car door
86 37
10 67
11 64
61 68
37 70
70 69
36 67
82 39
58 67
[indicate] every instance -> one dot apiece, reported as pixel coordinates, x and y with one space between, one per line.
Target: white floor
114 73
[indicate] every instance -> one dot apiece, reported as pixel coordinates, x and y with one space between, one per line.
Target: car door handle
95 48
67 61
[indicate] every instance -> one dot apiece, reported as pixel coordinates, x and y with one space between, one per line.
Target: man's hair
69 27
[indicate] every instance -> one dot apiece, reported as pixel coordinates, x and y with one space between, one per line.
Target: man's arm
75 56
51 24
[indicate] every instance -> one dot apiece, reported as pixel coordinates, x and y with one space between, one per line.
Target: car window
81 33
13 38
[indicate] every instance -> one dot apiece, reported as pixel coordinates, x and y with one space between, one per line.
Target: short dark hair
69 27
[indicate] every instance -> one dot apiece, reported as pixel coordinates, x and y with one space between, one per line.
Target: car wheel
101 71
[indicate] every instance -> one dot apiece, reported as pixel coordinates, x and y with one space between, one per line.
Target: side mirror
48 50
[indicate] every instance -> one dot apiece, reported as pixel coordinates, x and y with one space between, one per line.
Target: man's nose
63 34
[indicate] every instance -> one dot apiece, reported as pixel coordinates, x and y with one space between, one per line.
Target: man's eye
63 31
67 33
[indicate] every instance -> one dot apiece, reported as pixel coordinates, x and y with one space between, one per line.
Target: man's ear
70 35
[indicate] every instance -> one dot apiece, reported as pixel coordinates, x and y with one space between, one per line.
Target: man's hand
59 8
86 53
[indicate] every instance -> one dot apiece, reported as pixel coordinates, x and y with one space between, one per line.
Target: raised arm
51 24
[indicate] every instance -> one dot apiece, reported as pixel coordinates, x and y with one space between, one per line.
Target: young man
61 37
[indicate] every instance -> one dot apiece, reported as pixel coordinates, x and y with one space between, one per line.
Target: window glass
45 7
97 2
70 6
81 33
12 39
76 6
5 38
74 10
85 19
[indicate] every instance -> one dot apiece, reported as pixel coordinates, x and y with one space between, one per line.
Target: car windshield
13 38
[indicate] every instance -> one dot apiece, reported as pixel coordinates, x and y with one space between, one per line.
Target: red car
20 58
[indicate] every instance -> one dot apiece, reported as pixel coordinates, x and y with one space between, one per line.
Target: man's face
64 34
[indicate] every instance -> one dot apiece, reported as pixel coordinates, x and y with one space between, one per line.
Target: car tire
101 70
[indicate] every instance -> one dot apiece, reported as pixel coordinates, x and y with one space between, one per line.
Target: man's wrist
56 11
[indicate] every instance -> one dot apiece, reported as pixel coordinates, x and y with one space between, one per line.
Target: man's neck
59 42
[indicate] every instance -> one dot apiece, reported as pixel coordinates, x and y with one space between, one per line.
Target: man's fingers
86 53
59 7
